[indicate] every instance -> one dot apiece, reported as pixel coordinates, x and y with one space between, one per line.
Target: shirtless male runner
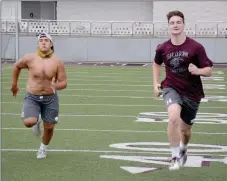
46 75
185 61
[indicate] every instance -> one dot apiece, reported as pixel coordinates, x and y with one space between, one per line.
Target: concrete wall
118 49
8 10
105 11
106 49
193 10
130 10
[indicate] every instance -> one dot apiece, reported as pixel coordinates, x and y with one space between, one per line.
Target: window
39 10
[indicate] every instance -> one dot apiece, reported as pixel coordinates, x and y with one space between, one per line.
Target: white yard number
196 156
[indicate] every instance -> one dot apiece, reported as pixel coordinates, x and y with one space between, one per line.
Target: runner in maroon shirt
185 61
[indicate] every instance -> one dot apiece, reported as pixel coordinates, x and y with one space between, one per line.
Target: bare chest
43 68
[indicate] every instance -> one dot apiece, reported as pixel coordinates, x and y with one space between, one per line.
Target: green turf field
108 131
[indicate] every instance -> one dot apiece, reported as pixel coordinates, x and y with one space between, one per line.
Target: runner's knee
185 129
48 127
29 122
185 132
174 114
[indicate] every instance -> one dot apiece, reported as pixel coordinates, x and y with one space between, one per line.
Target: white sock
175 152
43 147
182 145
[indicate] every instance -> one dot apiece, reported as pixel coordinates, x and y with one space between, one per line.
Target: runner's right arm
17 66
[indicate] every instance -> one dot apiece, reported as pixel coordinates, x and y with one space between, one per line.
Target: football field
112 128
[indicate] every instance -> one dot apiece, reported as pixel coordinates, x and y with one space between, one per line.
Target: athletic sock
175 152
183 146
43 147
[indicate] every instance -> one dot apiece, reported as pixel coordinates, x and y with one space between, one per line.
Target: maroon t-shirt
176 59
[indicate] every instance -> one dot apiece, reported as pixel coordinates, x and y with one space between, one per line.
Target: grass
98 109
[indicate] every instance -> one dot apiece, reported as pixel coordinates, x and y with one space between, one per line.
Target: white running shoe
41 154
36 129
175 164
22 115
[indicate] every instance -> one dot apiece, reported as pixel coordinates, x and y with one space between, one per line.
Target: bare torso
41 71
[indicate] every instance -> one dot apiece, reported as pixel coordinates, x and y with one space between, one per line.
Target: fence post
0 31
17 31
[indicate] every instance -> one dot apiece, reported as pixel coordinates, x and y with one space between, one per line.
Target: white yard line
108 69
107 72
99 96
206 86
118 79
127 85
103 151
111 90
82 115
122 131
101 80
96 90
109 105
119 105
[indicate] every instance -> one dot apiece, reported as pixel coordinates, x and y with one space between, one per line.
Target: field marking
82 115
201 118
97 76
111 90
193 161
116 96
97 90
109 105
92 68
84 95
212 78
206 86
218 72
127 85
118 73
86 72
103 75
101 80
122 131
117 79
119 105
106 69
102 151
107 72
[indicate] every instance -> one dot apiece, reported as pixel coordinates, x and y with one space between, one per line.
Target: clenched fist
193 69
14 89
157 91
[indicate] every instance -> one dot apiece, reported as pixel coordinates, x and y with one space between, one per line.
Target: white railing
133 29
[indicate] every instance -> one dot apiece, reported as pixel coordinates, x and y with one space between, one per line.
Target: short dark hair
175 13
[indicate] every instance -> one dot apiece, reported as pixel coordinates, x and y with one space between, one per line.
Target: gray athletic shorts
47 106
189 106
